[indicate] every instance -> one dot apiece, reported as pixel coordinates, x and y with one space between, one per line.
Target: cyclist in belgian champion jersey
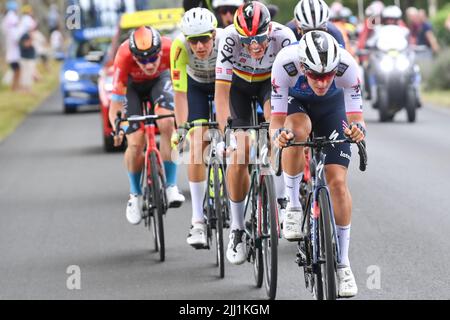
246 54
315 86
141 70
193 61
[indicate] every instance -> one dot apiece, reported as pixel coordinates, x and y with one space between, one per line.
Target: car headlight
387 64
71 75
402 63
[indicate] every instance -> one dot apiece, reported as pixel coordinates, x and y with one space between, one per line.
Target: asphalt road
62 204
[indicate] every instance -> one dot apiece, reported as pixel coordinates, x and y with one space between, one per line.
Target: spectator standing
421 31
27 61
57 43
40 44
53 18
11 34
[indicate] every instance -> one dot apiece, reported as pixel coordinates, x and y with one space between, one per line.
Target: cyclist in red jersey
142 70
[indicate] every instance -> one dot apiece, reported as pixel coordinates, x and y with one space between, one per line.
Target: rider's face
226 15
202 46
320 84
149 68
257 50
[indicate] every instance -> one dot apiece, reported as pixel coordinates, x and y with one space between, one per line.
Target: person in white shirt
11 36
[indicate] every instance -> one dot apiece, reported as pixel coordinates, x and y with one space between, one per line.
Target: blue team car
80 71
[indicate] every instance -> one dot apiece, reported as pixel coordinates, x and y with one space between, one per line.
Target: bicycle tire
269 228
219 220
158 203
326 249
257 255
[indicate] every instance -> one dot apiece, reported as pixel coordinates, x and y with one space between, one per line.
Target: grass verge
15 106
440 98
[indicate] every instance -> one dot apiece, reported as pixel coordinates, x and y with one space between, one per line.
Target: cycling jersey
234 58
331 29
289 80
184 62
125 67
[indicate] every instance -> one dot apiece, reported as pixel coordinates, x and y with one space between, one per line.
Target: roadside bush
442 34
439 77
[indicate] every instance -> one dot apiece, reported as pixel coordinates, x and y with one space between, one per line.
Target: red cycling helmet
145 42
252 19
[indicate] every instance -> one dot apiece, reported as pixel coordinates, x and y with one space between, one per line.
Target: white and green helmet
198 22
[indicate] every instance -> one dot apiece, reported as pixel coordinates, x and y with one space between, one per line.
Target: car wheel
69 110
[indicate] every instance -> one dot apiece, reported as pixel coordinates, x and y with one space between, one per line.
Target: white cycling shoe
237 247
174 198
346 283
134 209
292 224
197 235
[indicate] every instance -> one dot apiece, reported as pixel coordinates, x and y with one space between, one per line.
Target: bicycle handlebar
321 142
147 119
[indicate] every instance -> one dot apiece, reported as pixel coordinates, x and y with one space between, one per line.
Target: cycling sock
171 173
197 193
293 189
237 215
280 189
135 183
343 233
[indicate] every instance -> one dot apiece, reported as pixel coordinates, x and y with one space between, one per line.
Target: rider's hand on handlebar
282 137
355 131
178 135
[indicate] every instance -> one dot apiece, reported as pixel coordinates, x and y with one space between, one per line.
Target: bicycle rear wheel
269 243
326 278
218 208
157 188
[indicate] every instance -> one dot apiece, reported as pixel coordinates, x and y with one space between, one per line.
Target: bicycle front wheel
157 187
327 249
268 207
218 208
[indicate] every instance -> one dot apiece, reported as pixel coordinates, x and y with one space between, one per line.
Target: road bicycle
153 179
262 227
318 249
215 200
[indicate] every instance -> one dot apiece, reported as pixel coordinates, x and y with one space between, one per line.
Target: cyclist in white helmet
315 87
224 10
193 60
313 15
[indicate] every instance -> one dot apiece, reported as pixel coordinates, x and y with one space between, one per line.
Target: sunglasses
226 9
202 39
258 39
148 60
320 76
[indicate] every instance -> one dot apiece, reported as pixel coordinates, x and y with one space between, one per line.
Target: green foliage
438 80
438 21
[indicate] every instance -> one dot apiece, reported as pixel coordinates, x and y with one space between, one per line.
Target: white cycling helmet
374 9
231 3
197 22
311 14
391 12
319 51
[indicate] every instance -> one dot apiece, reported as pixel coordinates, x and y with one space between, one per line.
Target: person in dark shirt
27 61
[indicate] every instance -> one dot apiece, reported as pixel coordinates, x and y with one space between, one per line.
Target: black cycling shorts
14 66
198 102
241 93
158 91
326 118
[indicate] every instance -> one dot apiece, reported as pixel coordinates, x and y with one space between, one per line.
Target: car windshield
83 48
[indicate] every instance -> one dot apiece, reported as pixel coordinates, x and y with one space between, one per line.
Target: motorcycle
393 76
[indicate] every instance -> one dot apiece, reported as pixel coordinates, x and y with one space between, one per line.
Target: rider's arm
224 75
179 59
348 79
222 100
121 71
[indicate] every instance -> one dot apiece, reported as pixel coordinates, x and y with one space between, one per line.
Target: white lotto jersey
233 57
289 80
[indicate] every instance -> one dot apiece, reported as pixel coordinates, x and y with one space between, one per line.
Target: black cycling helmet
145 42
252 19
